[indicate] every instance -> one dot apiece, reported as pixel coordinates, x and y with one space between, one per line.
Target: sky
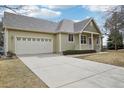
59 12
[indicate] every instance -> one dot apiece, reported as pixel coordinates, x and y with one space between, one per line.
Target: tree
3 8
12 7
114 23
115 40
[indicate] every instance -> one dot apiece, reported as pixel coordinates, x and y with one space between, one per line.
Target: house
27 35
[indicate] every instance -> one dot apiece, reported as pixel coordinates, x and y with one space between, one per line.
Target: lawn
13 73
111 57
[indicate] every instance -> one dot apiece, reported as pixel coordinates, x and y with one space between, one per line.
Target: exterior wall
57 43
77 42
65 44
5 41
13 33
58 39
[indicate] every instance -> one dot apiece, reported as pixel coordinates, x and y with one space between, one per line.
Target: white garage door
32 45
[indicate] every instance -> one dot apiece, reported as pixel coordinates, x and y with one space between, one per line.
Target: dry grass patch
13 73
112 57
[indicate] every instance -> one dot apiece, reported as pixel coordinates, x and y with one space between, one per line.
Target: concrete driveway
63 71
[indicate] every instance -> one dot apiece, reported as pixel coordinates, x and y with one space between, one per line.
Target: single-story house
28 35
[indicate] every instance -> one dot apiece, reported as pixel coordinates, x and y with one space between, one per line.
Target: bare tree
10 7
13 8
114 23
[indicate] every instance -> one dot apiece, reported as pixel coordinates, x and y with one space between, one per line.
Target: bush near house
10 54
72 52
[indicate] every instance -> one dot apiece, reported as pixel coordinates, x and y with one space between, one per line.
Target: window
42 39
29 39
24 39
33 39
38 39
18 38
46 40
49 40
83 39
70 38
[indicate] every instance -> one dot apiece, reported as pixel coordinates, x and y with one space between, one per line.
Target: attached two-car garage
33 45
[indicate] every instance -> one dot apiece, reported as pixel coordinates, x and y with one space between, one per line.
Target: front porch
89 41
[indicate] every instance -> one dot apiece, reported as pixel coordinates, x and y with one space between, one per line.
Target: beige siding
13 33
76 41
65 44
91 27
57 43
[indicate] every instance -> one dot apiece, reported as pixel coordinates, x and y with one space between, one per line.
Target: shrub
10 54
72 52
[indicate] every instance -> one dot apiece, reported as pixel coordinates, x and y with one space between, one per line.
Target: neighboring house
27 35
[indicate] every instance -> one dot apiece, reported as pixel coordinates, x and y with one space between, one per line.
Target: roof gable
78 26
92 27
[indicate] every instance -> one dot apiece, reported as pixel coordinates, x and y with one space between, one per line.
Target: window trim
73 38
86 40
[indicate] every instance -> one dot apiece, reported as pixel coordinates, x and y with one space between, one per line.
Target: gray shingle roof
15 21
28 23
65 26
78 26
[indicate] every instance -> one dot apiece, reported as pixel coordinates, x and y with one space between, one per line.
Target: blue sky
76 13
59 12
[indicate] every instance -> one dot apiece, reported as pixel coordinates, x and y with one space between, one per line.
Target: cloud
75 20
36 11
59 6
98 8
87 17
50 13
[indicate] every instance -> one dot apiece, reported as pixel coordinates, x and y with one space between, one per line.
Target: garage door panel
36 46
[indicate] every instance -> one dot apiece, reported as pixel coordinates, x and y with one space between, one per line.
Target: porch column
60 50
92 43
5 41
79 41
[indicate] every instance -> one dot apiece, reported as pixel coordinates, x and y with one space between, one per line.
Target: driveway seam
86 77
